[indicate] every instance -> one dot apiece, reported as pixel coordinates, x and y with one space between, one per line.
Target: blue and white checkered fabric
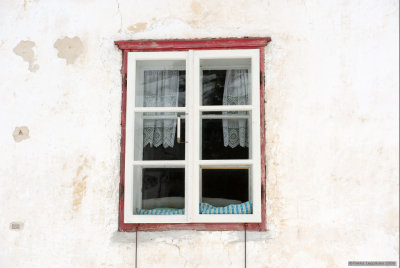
243 208
205 208
161 211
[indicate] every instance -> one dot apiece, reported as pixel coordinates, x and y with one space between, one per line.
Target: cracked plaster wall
332 128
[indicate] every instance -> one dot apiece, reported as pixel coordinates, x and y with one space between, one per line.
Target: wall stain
28 1
362 119
196 7
138 27
69 48
21 133
200 15
79 185
25 50
16 226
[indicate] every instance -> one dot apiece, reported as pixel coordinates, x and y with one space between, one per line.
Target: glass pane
156 136
160 83
225 135
225 81
225 190
163 191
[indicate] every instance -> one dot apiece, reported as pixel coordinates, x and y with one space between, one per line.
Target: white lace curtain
235 93
161 89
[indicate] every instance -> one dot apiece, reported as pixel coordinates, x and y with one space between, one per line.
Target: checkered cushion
243 208
205 208
161 211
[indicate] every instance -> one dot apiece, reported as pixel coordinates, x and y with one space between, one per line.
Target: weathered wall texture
332 127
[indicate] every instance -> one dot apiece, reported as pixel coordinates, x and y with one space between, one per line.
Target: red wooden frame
181 45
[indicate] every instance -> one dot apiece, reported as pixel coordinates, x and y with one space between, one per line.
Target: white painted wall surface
332 132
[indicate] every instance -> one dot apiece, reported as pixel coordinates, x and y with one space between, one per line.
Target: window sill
131 227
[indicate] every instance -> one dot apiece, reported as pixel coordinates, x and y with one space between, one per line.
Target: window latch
178 130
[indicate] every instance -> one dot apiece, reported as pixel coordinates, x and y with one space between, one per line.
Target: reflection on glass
163 191
156 136
225 135
225 190
160 83
213 86
225 82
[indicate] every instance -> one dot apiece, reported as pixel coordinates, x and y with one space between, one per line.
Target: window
193 135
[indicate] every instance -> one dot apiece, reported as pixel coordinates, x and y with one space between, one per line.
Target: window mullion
191 137
196 134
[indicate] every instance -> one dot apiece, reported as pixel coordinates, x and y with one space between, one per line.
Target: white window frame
192 162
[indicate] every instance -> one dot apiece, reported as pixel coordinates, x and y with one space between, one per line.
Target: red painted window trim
180 45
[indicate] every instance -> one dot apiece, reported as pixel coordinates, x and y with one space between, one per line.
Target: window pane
156 136
163 191
225 190
160 83
225 81
225 135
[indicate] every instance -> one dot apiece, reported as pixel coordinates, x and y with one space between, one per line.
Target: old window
192 135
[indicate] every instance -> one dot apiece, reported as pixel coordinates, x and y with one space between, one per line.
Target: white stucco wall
332 132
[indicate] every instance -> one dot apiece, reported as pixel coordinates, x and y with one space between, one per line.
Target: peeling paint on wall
25 50
69 48
138 27
21 133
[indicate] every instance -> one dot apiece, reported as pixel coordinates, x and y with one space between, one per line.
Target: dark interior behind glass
163 182
226 183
